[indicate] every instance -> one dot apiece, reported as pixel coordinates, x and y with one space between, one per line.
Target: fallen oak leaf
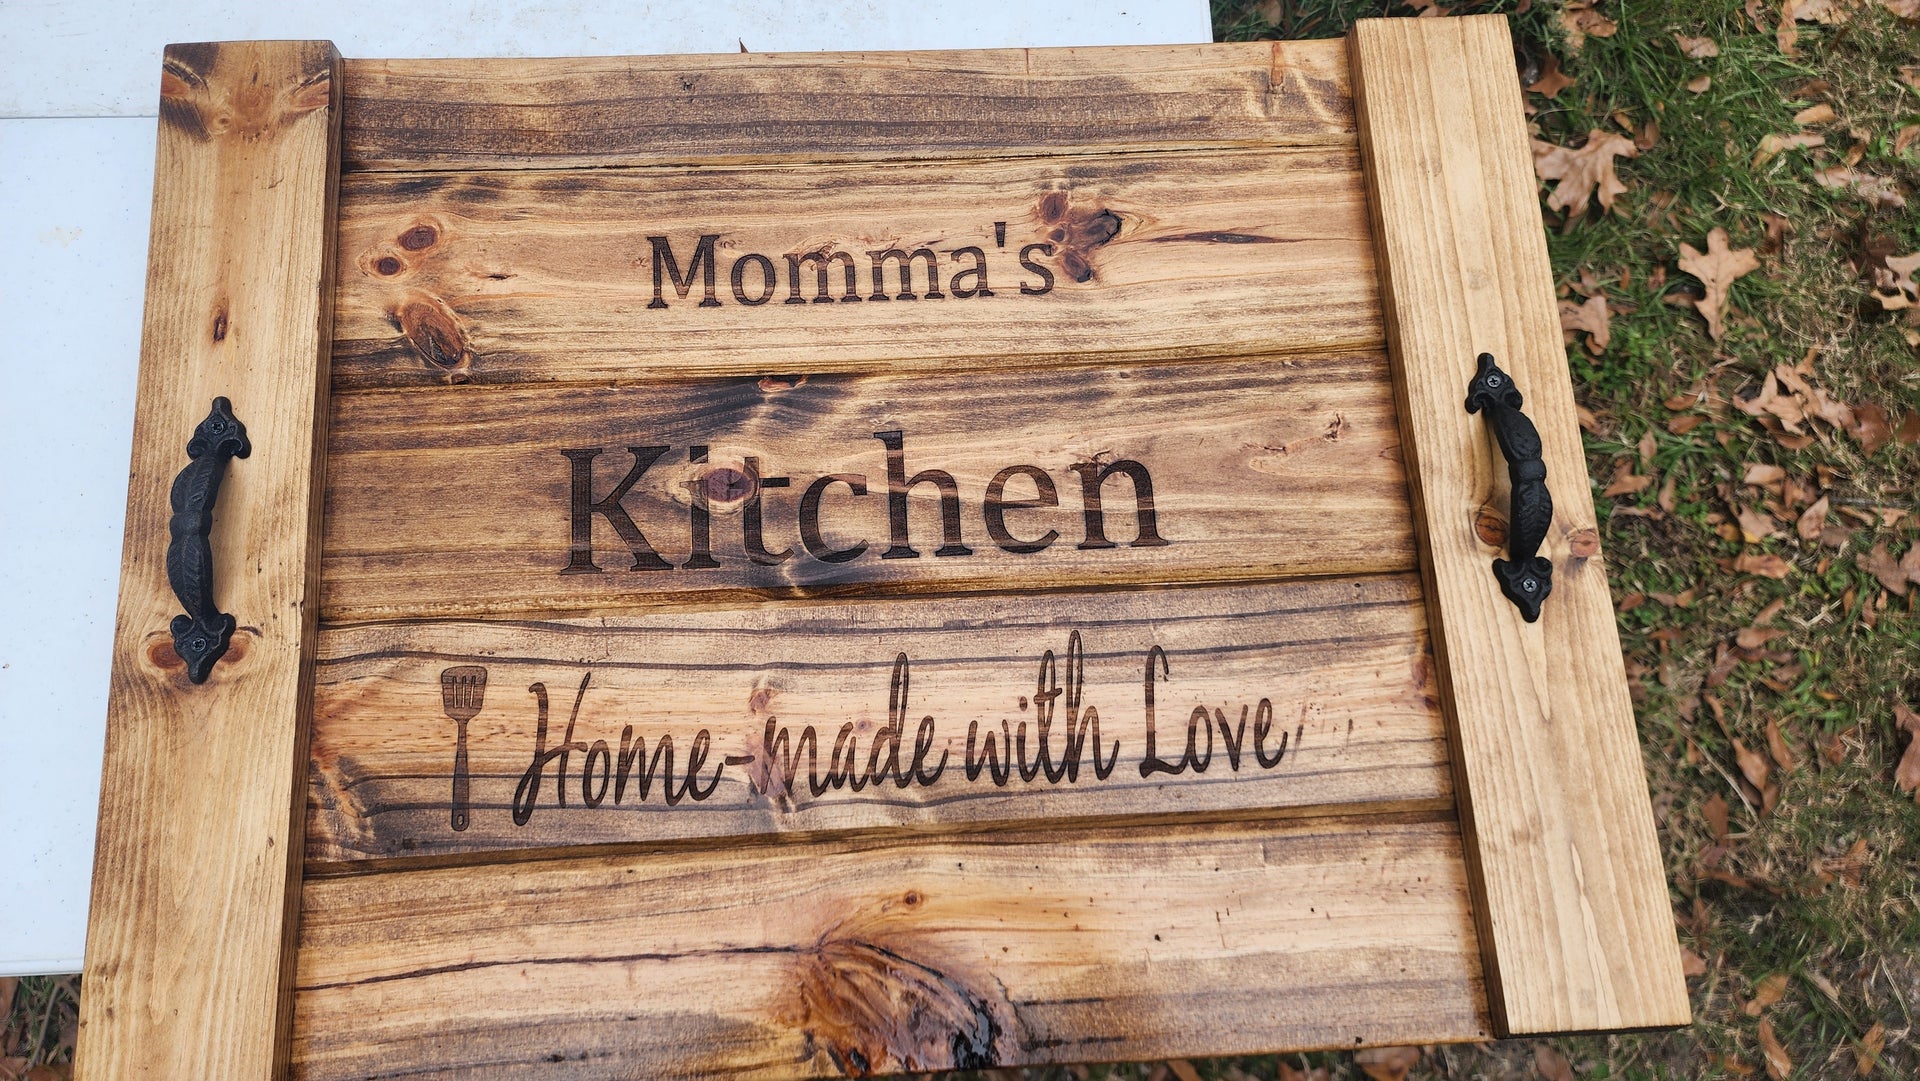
1894 286
1771 989
1717 268
1906 775
1583 171
1783 755
1387 1063
1765 565
1772 146
1814 114
1714 810
1878 190
1892 576
1779 1063
1871 428
1753 766
1551 1064
1697 48
1868 1054
1552 80
1591 317
1813 521
1580 22
1760 475
1756 526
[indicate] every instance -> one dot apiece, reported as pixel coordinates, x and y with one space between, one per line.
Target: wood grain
408 115
1570 888
600 274
456 501
189 939
1350 718
892 956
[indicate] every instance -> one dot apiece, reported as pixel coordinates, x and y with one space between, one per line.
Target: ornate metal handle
200 636
1527 578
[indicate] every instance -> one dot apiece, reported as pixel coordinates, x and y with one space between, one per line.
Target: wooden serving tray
849 564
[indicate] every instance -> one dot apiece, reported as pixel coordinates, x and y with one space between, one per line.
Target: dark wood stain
872 1009
433 332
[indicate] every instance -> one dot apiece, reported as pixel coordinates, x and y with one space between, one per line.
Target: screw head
1529 584
1494 380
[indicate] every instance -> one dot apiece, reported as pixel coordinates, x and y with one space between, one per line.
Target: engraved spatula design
462 691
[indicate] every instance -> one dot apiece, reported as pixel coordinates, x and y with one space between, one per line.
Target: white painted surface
98 59
74 198
74 204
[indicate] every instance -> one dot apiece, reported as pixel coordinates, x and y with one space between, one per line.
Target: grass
1825 888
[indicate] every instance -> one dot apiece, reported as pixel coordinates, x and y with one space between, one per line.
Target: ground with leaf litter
1732 189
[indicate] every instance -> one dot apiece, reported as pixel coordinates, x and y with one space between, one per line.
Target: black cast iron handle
1526 578
200 636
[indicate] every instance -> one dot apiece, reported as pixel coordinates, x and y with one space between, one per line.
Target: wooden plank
1313 695
518 113
595 275
456 501
893 956
189 942
1569 884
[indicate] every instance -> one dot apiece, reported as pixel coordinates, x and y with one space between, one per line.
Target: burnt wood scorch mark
1075 233
200 636
434 334
874 1010
206 108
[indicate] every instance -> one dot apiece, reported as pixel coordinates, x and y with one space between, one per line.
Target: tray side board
197 865
1569 887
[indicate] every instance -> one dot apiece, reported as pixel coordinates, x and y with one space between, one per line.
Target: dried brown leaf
1714 810
1767 566
1753 765
1183 1069
1697 48
1584 171
1580 22
1315 1073
1717 268
1777 747
1756 526
1756 637
1772 146
1760 474
1879 190
1591 317
1906 775
1892 576
1902 9
1626 483
1700 84
1779 1063
1814 114
1551 1064
1894 286
1691 963
1871 428
1871 1044
1387 1063
1768 991
1812 521
1552 80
